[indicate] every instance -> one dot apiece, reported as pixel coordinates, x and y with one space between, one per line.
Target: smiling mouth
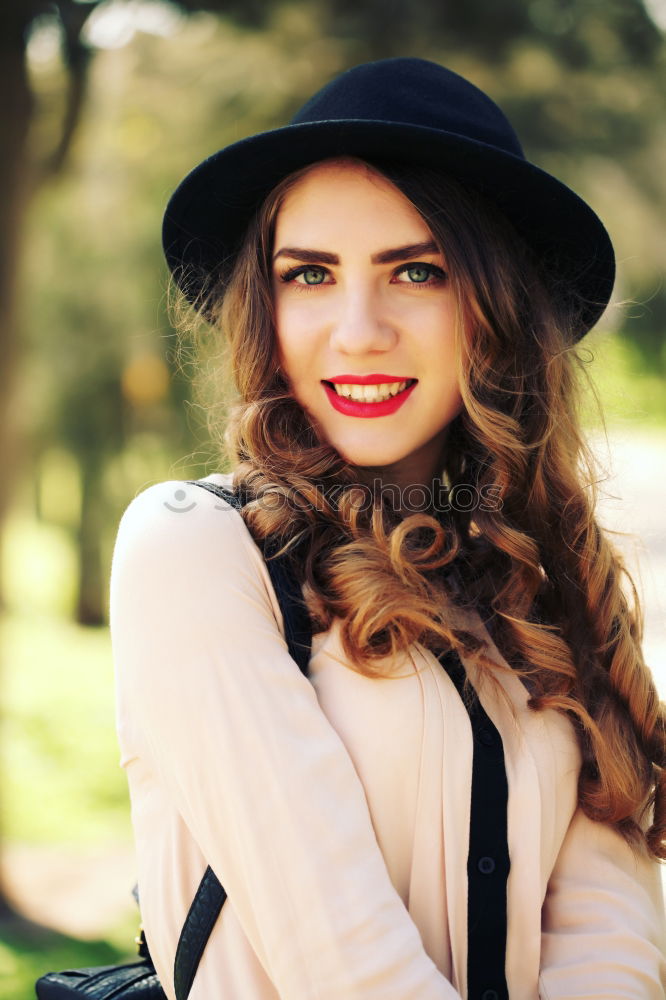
370 393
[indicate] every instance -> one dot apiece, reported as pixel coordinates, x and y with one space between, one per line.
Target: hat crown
414 92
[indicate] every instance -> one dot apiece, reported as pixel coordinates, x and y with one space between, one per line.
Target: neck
410 486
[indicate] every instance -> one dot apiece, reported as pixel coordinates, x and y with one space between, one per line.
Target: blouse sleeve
262 780
603 920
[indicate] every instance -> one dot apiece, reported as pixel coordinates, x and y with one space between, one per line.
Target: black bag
138 980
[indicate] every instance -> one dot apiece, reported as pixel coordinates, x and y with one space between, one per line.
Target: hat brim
208 213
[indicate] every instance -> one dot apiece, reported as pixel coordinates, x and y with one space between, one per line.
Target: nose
360 325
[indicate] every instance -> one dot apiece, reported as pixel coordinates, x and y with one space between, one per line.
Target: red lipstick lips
355 408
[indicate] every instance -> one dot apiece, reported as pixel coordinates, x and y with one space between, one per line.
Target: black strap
488 857
297 625
210 896
198 926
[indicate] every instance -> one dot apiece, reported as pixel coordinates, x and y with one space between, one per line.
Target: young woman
465 797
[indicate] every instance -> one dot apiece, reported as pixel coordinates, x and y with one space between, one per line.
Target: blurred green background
106 105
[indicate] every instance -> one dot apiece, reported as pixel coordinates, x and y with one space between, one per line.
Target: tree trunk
91 604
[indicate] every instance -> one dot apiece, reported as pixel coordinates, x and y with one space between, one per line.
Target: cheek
444 328
292 354
433 315
295 336
282 329
285 348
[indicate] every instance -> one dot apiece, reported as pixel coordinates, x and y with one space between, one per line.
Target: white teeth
369 393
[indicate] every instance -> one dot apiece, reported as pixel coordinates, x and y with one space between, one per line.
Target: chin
372 458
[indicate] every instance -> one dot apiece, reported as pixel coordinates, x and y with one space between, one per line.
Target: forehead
335 192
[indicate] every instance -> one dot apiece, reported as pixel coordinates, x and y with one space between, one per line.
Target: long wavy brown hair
535 563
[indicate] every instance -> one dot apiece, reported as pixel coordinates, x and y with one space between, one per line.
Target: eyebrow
406 252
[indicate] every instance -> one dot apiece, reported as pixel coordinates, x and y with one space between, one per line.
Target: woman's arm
260 777
603 920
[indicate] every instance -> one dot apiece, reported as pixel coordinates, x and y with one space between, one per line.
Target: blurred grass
60 744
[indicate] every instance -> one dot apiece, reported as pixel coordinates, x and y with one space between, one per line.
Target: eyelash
293 272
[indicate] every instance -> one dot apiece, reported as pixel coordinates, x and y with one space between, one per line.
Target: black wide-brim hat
407 110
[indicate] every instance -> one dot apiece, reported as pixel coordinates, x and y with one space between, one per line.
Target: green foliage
578 32
94 279
630 394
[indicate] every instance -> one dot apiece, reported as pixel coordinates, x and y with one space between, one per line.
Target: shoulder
182 530
179 512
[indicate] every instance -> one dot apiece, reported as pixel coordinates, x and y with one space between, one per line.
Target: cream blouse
335 810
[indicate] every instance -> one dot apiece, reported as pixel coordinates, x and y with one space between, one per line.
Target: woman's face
365 320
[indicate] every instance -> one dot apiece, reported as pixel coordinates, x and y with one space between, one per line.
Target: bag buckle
141 943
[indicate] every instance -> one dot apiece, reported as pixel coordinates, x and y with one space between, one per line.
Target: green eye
418 274
313 276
